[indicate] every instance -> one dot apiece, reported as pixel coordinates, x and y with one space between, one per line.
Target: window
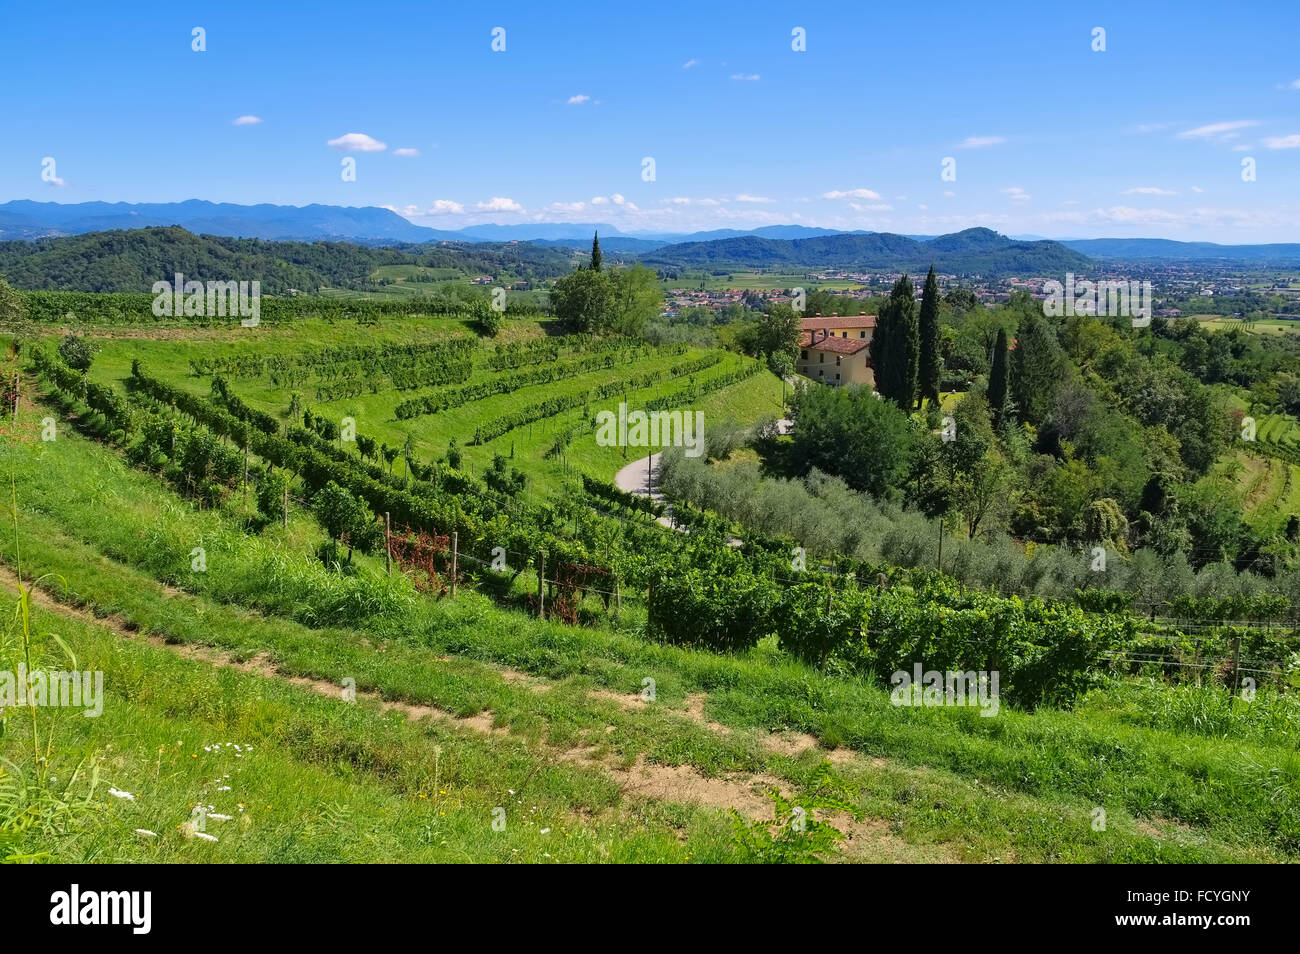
804 354
822 356
844 334
821 372
837 375
862 334
838 359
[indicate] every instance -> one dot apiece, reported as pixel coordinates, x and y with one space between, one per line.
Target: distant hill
131 261
974 251
23 219
985 252
1139 249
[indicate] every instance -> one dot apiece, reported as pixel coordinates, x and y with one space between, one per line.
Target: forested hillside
131 261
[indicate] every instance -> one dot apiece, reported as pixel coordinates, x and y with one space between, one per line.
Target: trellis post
541 584
455 546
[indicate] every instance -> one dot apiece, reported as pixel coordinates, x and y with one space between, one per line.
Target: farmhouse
835 361
843 326
835 350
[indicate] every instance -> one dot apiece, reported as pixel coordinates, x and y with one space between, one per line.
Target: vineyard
424 512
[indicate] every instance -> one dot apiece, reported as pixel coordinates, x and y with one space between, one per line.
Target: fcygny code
216 300
945 689
55 689
651 429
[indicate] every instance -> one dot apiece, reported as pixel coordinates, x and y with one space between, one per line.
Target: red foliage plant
418 555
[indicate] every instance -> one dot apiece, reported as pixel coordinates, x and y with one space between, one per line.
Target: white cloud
578 99
446 207
246 121
1197 189
1148 190
851 194
499 204
949 194
689 63
1294 84
57 181
357 142
875 207
1218 130
1283 142
1016 194
979 142
746 77
600 200
567 206
746 197
406 152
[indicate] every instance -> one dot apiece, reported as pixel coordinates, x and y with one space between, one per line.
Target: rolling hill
979 250
131 261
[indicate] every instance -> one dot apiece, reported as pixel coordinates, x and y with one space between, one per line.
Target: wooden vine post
541 584
388 547
455 547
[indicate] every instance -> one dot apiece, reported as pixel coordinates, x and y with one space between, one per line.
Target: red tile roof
839 321
835 345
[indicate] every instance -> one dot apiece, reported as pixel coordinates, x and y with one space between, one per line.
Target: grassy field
463 708
298 713
169 358
1263 326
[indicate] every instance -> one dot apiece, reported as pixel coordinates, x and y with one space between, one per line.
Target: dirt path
684 784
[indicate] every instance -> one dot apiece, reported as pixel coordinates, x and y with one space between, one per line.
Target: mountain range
972 250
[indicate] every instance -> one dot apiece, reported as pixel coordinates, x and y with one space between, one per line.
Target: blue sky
1049 137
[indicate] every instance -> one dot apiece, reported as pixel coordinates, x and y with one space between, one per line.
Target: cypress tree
895 346
998 376
929 358
595 252
1036 366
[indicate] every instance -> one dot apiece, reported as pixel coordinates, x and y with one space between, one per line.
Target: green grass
169 359
345 781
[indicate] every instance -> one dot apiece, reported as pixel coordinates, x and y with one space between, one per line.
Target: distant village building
837 350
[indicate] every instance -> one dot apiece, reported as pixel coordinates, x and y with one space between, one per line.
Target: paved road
641 477
636 478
